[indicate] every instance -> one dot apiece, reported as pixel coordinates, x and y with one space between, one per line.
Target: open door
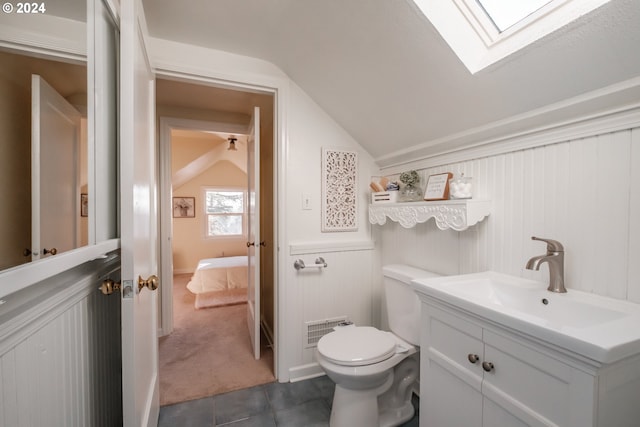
138 223
55 171
254 243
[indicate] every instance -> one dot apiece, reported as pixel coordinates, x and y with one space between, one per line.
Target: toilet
375 371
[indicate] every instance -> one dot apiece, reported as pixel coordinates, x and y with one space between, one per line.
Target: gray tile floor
300 404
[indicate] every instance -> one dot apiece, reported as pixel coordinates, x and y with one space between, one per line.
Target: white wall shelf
454 214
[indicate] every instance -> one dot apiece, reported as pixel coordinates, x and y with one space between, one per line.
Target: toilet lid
357 346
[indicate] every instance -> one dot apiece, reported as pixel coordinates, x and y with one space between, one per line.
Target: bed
220 281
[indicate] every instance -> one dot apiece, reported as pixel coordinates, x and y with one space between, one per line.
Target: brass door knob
249 244
51 251
152 282
109 286
473 358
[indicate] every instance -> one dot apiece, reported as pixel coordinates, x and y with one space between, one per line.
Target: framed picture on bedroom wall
84 204
184 207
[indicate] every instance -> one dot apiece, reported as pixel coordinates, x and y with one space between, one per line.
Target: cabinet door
531 386
495 415
451 383
527 385
450 401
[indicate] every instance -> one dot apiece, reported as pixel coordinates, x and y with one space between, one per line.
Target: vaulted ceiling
383 72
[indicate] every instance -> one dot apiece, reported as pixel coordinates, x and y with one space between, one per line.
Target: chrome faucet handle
552 245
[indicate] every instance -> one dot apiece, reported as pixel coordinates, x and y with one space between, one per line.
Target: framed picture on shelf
438 187
184 207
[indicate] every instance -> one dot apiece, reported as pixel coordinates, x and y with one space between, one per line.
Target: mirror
43 189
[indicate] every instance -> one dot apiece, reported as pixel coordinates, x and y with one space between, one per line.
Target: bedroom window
224 212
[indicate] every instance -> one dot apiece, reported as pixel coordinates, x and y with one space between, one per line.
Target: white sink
599 328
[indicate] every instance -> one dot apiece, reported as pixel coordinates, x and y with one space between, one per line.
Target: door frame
167 124
239 78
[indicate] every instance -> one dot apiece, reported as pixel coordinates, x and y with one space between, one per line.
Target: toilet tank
403 304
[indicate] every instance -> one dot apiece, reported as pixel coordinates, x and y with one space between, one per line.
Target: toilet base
395 404
357 408
396 416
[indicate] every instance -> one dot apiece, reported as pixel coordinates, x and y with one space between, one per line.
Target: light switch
306 201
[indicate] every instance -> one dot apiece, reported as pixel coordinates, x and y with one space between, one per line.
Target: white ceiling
71 9
382 71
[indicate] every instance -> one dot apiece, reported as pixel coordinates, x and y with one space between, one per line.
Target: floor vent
319 328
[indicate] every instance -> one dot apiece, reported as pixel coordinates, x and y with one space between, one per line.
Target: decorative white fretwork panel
339 190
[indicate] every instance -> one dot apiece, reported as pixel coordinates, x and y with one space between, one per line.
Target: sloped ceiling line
384 73
209 159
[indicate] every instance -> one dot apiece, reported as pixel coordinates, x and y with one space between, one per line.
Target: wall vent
318 328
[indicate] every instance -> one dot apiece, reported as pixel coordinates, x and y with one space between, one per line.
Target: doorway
199 115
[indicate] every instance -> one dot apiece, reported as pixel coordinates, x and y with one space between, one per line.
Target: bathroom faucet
555 259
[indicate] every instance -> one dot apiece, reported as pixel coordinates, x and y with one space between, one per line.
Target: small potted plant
411 191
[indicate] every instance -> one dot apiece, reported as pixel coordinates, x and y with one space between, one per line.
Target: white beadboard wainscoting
583 192
346 287
60 351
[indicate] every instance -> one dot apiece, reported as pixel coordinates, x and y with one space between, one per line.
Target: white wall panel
424 246
583 192
612 203
311 130
633 275
63 367
346 287
582 185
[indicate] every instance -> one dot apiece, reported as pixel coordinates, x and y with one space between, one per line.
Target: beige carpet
209 351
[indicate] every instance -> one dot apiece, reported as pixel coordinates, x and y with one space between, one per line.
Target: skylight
482 32
506 13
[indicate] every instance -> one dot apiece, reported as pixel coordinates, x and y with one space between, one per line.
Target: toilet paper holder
299 264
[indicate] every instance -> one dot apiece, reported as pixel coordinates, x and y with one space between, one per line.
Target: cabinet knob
473 358
487 366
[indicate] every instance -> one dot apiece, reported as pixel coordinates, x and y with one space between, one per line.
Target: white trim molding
610 109
45 35
305 372
326 247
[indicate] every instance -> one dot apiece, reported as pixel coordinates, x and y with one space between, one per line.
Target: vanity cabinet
476 373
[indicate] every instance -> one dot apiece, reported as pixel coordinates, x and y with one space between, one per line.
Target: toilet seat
357 346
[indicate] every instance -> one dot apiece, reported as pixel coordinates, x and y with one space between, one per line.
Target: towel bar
320 263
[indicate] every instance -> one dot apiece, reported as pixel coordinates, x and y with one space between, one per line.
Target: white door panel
253 210
55 171
138 207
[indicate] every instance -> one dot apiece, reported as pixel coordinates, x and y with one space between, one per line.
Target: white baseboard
305 372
